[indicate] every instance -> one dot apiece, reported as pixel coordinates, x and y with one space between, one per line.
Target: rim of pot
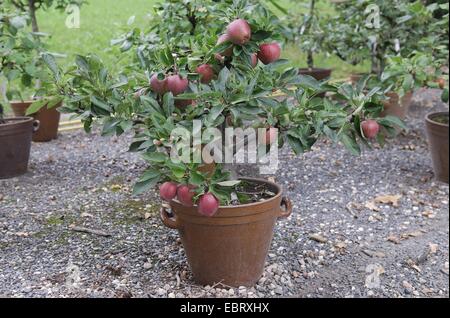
276 186
429 118
15 120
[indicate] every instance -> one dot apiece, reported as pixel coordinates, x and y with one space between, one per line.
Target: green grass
100 21
103 20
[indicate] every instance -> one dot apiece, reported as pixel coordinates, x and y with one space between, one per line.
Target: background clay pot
318 73
355 77
438 143
232 246
15 144
48 118
395 106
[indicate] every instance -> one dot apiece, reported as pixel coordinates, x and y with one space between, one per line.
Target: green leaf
144 186
231 183
52 65
196 178
392 121
295 144
168 104
36 106
100 103
350 143
156 157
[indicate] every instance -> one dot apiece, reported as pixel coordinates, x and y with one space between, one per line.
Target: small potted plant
15 133
374 30
15 144
28 79
186 112
309 35
403 75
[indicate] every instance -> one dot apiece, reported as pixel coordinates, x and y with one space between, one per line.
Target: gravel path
375 225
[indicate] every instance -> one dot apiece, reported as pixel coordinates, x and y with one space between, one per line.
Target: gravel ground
369 226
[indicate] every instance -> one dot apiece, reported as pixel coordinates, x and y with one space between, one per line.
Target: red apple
208 205
177 85
441 82
269 52
168 191
271 136
239 32
222 39
370 128
185 195
206 73
157 85
254 60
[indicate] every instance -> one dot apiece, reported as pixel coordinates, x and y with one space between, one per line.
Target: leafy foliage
354 35
404 75
240 95
19 52
308 31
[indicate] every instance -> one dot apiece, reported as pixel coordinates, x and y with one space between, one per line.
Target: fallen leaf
22 234
340 245
374 253
406 236
371 206
86 215
413 265
389 199
393 239
433 248
318 238
116 187
428 214
147 216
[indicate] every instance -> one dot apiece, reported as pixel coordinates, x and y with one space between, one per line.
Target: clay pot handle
170 222
36 125
288 208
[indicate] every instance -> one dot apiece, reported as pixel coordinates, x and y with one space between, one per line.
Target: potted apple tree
15 133
225 221
375 30
309 34
48 116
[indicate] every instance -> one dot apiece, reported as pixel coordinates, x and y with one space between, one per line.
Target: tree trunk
310 60
312 8
32 8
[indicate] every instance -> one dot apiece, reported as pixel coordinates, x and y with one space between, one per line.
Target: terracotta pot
318 73
48 118
354 78
231 247
438 143
15 144
395 106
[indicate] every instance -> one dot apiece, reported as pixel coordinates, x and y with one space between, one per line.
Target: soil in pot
15 144
231 247
396 106
48 118
437 126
